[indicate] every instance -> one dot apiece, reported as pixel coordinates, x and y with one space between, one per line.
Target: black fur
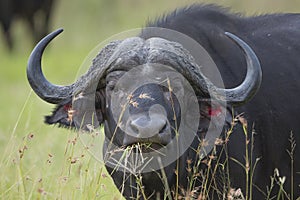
274 111
27 10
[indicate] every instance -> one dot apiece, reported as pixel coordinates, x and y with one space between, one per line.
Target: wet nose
144 127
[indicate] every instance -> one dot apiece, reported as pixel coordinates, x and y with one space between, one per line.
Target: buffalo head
146 116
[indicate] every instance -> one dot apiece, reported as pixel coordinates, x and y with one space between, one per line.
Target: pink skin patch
215 111
67 107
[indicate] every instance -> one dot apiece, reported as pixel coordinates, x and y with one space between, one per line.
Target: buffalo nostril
134 128
164 128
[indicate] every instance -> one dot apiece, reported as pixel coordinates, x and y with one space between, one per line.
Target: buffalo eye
112 79
110 85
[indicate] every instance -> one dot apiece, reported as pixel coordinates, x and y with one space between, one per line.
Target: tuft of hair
191 12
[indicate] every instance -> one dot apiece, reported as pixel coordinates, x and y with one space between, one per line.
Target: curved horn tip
230 34
51 36
252 82
39 48
235 38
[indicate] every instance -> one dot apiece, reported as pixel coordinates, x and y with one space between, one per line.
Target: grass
215 171
45 162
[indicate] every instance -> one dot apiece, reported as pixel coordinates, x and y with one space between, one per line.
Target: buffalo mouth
140 148
136 158
145 147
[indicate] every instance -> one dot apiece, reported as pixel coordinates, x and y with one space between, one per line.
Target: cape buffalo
257 58
35 12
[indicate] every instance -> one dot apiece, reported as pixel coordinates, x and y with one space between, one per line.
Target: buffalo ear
81 112
61 115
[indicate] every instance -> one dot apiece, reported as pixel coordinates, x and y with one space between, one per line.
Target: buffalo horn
43 88
248 88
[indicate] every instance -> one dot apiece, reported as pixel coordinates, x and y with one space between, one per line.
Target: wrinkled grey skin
123 55
89 95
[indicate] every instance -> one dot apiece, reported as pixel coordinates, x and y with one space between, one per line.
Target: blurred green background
45 162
